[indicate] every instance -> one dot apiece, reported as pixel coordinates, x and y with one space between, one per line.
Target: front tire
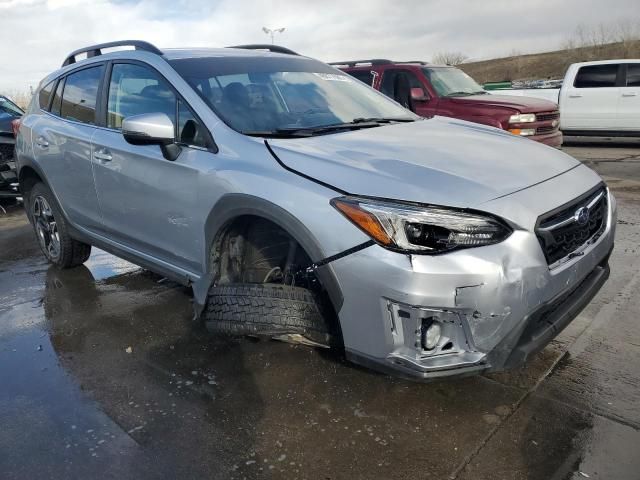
52 231
266 309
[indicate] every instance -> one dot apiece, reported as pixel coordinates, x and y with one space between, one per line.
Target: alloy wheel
46 227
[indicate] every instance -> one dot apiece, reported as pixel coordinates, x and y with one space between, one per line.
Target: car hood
437 161
522 104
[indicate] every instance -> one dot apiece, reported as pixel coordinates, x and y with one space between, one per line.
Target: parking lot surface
104 374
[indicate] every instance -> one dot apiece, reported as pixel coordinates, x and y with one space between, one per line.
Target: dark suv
9 114
443 90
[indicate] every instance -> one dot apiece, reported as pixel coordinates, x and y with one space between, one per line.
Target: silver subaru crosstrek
299 203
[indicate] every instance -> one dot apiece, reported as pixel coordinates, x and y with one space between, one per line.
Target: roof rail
266 46
355 63
96 50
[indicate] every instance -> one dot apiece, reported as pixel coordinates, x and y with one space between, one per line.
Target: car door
148 203
629 100
591 103
421 103
62 144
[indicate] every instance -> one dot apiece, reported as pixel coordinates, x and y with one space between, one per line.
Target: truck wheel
266 309
52 232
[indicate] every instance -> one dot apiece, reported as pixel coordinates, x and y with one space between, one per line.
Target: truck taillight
15 126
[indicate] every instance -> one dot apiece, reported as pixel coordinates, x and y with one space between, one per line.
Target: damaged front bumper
495 306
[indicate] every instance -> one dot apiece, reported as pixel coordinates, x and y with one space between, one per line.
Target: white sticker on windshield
334 77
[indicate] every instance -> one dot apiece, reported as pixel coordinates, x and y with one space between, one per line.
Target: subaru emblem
581 216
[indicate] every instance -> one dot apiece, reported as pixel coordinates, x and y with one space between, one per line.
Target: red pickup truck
431 90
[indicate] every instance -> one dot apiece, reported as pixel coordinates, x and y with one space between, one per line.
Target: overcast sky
36 35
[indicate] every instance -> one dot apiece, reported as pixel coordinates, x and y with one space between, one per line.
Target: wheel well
27 178
252 249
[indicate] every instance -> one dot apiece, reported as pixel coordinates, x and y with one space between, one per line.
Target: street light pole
272 32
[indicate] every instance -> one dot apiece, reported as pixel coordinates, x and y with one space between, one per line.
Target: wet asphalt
104 374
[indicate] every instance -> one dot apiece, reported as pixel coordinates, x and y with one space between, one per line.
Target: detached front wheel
266 309
52 232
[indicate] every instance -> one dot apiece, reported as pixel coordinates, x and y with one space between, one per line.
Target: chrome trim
582 249
571 219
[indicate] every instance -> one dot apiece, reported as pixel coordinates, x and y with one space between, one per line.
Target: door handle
102 155
41 142
575 95
630 94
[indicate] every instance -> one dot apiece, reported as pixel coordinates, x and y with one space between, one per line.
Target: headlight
421 229
522 118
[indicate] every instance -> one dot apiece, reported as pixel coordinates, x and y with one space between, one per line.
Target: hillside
547 64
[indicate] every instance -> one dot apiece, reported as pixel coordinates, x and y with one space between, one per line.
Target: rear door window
596 76
80 94
633 75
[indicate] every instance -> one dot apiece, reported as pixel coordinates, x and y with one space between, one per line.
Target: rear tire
266 309
52 231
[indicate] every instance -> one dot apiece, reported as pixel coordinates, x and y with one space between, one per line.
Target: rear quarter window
56 103
596 76
363 75
45 95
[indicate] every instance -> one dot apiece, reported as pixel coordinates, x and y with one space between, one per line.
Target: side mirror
152 129
419 95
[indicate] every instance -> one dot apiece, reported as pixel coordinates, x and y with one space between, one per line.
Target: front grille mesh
561 234
543 117
6 151
546 129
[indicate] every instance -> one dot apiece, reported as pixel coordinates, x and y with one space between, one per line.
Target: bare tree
625 31
450 58
19 97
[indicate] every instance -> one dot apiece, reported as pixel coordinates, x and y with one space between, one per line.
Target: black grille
547 129
561 233
543 117
6 151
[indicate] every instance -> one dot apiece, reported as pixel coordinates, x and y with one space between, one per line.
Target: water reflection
248 408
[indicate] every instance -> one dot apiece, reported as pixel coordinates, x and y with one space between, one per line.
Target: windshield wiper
296 132
459 94
382 119
301 131
278 133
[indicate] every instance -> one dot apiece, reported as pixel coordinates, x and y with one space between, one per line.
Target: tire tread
264 309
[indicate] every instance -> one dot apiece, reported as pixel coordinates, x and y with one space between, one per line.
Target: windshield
452 82
8 107
270 95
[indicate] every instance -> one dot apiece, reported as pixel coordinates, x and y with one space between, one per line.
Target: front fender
234 205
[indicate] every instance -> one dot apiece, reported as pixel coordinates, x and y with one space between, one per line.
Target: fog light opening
431 333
